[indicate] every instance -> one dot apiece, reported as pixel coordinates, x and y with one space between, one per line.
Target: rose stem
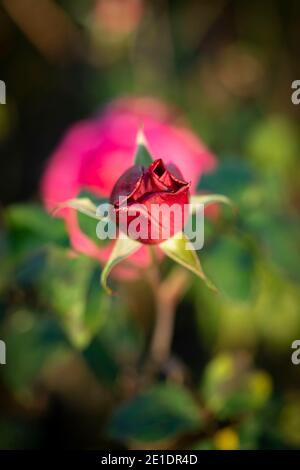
166 294
160 347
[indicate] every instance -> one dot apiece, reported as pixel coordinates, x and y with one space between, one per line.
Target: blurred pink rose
95 152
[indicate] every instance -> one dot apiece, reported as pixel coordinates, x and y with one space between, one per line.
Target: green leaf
230 178
29 227
204 444
31 341
120 333
34 220
123 248
64 286
96 305
83 205
142 156
230 262
177 248
230 391
273 144
207 199
101 361
163 412
29 270
280 238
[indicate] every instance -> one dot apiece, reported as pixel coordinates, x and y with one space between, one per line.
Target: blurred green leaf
280 236
30 342
160 413
29 232
95 304
276 304
250 432
101 361
230 262
120 333
30 269
18 434
231 178
30 222
273 144
289 419
64 287
230 388
205 444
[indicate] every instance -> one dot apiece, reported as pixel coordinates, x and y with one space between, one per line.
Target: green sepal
180 250
83 205
142 156
207 199
123 248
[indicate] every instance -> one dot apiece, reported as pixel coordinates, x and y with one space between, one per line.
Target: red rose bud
151 204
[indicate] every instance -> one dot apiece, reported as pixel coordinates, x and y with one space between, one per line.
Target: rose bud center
151 204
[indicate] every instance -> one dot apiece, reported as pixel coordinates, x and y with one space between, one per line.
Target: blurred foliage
161 413
77 372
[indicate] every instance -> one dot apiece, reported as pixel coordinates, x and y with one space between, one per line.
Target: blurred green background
73 354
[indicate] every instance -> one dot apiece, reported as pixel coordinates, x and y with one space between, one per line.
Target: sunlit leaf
177 248
123 248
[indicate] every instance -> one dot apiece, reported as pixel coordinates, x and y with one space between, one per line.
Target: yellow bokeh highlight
226 439
260 385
